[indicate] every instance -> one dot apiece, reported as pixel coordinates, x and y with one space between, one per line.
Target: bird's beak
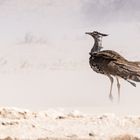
103 34
88 33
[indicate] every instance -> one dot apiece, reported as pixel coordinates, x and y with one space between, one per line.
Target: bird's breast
95 65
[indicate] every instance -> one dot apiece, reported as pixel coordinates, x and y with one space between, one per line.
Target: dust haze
44 51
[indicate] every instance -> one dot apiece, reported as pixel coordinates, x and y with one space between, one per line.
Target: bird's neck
97 45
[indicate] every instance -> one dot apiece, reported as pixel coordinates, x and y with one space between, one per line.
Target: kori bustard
112 64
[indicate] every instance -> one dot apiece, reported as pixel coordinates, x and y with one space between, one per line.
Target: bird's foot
118 100
111 97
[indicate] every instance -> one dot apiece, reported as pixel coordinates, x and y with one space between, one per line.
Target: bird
112 64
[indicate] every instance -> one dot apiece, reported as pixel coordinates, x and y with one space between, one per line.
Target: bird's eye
95 33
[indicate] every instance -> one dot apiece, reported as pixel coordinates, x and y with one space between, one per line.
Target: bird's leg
111 80
118 85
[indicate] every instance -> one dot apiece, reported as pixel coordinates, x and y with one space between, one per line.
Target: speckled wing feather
127 70
114 64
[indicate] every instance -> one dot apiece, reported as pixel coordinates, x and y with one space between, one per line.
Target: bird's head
96 35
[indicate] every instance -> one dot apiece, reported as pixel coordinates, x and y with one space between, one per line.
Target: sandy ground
17 124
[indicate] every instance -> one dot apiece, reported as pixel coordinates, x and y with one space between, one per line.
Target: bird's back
108 55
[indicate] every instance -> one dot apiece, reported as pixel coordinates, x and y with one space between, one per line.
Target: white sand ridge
53 124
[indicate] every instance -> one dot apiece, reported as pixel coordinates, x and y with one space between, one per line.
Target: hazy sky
65 19
37 34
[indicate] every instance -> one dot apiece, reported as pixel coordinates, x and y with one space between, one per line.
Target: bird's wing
127 70
129 66
114 64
